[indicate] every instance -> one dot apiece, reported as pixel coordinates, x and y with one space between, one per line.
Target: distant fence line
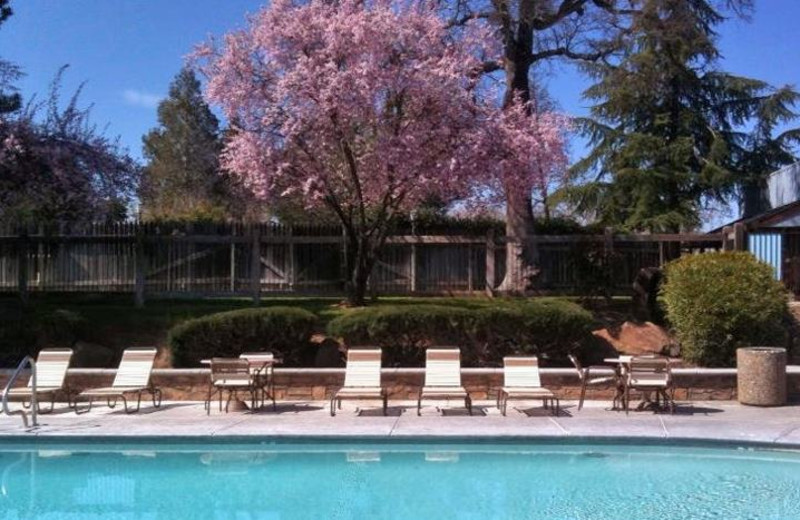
159 260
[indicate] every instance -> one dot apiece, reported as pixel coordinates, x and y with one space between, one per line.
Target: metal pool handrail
27 360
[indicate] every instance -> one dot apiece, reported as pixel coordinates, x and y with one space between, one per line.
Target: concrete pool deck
697 421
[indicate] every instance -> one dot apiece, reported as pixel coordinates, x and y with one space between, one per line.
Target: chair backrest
363 368
646 369
521 371
577 364
230 369
258 360
51 367
135 367
443 367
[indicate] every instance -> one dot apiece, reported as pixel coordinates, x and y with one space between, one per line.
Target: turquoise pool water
408 480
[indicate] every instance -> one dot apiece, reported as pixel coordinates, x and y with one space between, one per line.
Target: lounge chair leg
468 402
52 405
333 405
504 405
419 405
385 404
627 399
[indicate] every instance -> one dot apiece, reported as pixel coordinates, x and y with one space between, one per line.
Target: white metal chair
443 378
262 372
231 375
51 374
650 374
362 379
133 377
521 381
586 379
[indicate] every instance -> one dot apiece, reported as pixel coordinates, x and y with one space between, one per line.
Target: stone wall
403 383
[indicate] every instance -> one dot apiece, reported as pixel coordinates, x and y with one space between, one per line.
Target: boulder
328 352
637 338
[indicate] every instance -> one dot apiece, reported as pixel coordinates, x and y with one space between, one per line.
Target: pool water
408 480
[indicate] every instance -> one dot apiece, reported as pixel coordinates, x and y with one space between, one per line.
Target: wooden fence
251 260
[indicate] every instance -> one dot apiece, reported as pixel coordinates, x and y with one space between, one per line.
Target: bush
485 334
286 331
548 328
24 332
402 331
718 302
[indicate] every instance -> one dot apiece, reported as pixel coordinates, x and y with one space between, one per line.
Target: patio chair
263 375
362 378
650 374
51 374
133 377
231 375
443 378
586 379
521 381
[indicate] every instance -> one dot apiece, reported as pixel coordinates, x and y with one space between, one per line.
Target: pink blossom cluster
369 104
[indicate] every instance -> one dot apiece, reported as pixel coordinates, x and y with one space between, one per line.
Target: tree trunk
364 257
521 252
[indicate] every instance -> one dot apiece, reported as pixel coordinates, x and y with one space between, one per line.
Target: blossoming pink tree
365 107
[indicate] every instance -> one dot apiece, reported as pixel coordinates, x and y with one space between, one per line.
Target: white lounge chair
443 378
362 378
51 374
133 377
521 381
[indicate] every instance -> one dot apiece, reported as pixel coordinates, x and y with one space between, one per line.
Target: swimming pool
406 479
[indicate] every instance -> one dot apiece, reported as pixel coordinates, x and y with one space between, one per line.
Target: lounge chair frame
51 377
133 377
586 379
443 378
521 381
362 379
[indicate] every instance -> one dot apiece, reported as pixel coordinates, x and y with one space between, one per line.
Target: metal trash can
761 376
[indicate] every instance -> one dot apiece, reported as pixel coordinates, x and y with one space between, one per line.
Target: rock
637 338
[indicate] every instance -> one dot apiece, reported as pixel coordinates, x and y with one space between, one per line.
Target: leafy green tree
671 133
182 179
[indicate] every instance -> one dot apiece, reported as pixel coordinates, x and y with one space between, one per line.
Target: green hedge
548 328
24 332
283 330
718 302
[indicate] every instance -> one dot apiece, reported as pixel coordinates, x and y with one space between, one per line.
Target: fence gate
767 247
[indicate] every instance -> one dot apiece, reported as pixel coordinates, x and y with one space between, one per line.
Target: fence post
138 268
490 259
739 237
22 267
255 264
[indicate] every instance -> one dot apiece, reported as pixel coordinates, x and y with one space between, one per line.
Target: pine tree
10 99
182 179
671 133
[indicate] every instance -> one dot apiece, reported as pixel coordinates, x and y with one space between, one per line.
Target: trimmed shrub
286 331
718 302
402 331
549 328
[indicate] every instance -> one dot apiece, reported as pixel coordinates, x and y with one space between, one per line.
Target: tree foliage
56 165
10 99
182 179
368 109
671 132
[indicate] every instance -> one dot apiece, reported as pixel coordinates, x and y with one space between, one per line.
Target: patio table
622 365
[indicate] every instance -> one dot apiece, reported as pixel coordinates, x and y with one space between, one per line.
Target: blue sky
127 51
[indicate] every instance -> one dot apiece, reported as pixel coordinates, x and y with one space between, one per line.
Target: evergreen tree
182 179
671 133
10 99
